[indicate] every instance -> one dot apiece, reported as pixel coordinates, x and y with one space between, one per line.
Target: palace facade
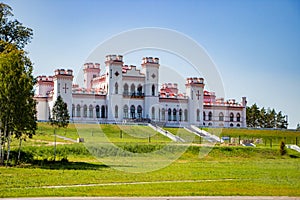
125 93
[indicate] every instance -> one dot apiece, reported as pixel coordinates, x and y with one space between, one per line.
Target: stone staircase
174 138
293 146
203 134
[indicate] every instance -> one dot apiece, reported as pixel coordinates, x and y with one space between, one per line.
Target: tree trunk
19 153
54 144
1 163
8 147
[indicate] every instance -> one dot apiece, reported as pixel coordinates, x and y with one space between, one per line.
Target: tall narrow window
210 116
238 117
132 112
174 114
103 111
132 89
153 90
180 115
204 116
139 90
85 111
221 116
169 114
97 111
198 115
126 90
116 112
78 111
58 85
185 115
116 88
231 117
153 113
73 110
163 114
139 111
125 110
90 111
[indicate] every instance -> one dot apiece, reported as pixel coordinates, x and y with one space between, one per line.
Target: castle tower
194 91
150 67
63 87
90 71
114 87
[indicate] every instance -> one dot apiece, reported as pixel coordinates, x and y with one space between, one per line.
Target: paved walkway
163 198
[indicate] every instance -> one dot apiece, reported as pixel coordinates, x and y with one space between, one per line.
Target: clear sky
255 44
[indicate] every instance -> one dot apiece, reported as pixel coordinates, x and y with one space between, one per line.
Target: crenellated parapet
44 79
114 59
195 82
64 72
150 60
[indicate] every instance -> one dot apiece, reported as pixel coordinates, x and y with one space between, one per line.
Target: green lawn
224 171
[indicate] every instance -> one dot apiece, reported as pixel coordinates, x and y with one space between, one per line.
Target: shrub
282 148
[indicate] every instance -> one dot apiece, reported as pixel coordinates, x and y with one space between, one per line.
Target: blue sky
255 44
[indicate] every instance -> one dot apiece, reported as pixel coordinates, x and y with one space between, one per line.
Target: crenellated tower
194 91
90 71
114 64
150 67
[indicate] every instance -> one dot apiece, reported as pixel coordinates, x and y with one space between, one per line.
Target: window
221 117
103 111
73 110
85 111
132 112
97 111
238 125
90 111
231 117
180 115
116 112
174 114
238 117
198 115
78 111
139 90
139 111
169 114
210 116
231 124
163 114
153 113
116 88
132 89
204 116
153 90
125 110
185 115
126 89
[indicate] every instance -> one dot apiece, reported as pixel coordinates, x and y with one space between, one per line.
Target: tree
12 31
298 127
281 121
17 116
60 117
282 148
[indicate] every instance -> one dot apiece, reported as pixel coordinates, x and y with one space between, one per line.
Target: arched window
153 90
126 90
210 116
238 125
231 124
139 90
116 111
132 112
132 89
78 110
238 117
153 113
125 110
97 111
185 115
116 88
198 115
103 111
180 115
73 110
139 111
174 114
209 124
231 117
204 116
221 116
169 114
163 114
85 111
90 111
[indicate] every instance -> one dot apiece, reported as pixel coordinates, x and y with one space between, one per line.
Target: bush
282 148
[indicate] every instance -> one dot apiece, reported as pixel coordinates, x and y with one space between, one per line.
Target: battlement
194 80
151 60
44 78
91 66
170 85
63 72
114 58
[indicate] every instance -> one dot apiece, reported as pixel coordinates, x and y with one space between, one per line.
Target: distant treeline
262 118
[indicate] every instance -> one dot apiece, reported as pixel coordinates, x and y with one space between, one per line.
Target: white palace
126 94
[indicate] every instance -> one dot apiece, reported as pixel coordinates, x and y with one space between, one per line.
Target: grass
225 170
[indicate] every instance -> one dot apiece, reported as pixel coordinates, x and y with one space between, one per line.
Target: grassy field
224 171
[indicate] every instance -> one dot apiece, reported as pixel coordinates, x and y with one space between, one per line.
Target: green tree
11 30
298 127
59 118
252 115
17 116
281 121
262 118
